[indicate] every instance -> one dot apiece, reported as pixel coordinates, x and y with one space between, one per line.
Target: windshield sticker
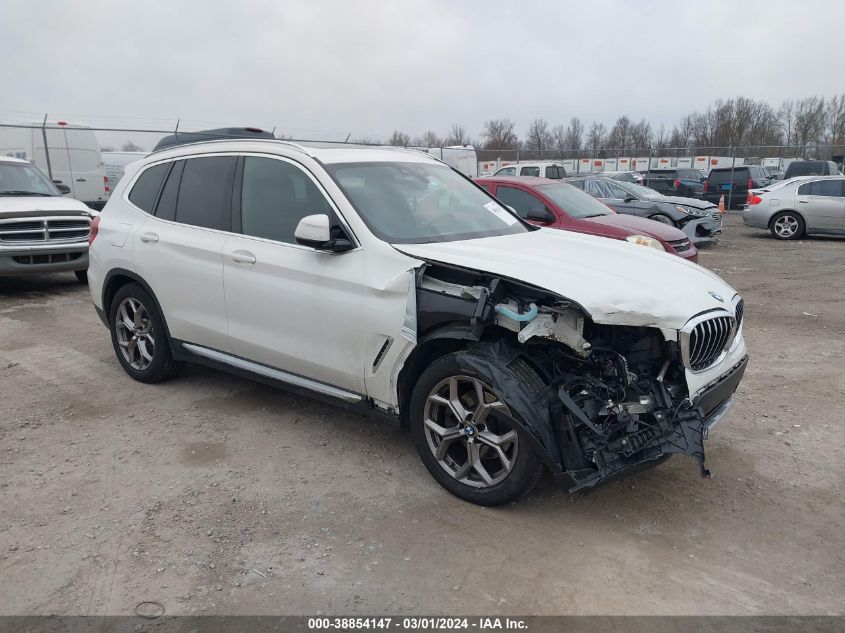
500 213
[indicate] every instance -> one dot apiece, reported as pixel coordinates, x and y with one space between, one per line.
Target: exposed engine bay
616 397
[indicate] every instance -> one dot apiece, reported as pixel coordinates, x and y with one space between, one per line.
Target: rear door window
529 171
166 209
205 192
506 171
555 172
145 190
829 188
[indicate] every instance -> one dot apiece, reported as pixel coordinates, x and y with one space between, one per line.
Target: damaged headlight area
616 398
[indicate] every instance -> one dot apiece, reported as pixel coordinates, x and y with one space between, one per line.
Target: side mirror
540 215
63 189
314 231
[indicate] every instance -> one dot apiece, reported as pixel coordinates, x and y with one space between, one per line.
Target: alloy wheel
786 226
135 335
466 433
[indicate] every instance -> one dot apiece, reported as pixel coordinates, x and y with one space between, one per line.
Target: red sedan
554 204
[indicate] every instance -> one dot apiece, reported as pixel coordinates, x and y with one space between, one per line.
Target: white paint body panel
612 280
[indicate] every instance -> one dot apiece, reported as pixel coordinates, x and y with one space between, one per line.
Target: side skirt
273 377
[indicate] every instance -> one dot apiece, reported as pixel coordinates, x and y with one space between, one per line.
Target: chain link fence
90 160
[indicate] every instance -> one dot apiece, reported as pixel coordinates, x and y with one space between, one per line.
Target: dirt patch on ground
211 494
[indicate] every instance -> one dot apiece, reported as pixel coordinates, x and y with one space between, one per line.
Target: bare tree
559 138
835 123
429 139
498 134
809 121
575 134
107 148
620 133
641 135
786 121
539 138
129 146
399 139
458 135
597 135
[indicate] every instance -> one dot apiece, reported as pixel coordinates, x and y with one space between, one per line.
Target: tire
787 225
139 336
663 219
81 276
469 458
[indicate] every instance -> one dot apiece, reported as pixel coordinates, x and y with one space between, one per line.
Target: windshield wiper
25 193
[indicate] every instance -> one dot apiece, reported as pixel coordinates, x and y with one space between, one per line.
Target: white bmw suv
383 280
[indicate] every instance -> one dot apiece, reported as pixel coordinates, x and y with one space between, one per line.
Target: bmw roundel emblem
716 296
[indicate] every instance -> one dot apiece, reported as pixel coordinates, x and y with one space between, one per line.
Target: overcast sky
323 69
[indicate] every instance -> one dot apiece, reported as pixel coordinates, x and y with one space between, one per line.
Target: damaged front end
616 398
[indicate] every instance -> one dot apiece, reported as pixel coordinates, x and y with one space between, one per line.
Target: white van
115 163
460 157
74 153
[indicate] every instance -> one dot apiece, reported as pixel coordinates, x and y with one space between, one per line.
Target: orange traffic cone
722 208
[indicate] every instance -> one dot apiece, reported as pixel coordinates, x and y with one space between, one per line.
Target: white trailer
623 164
684 161
641 163
461 157
610 164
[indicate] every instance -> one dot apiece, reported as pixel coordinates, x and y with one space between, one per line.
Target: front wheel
463 428
787 225
663 219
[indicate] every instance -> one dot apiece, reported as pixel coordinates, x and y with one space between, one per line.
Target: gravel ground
211 494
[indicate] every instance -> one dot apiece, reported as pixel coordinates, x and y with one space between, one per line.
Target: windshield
574 202
411 203
638 190
22 179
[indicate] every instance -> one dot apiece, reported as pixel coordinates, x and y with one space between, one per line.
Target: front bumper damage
704 230
684 434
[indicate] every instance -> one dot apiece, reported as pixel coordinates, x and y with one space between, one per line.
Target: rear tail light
676 183
750 183
706 186
106 183
95 229
754 199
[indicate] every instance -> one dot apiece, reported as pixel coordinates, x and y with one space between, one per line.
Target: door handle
150 238
803 201
80 180
243 257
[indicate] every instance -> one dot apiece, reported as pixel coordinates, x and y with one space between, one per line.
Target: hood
695 203
633 225
28 206
616 282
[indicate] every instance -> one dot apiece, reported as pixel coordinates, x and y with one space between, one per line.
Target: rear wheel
787 225
464 431
663 219
138 336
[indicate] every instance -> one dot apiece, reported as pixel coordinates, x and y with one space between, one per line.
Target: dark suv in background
811 168
734 184
681 181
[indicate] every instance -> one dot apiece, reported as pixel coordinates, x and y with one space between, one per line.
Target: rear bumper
43 258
